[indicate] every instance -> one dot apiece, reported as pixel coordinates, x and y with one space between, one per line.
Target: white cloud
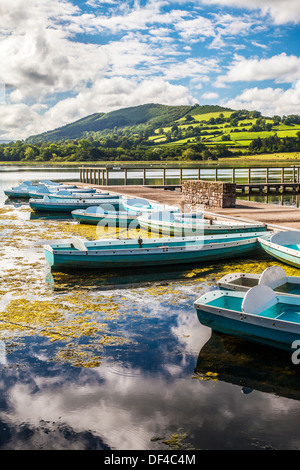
281 68
130 54
195 29
191 68
281 11
210 96
269 101
105 95
257 44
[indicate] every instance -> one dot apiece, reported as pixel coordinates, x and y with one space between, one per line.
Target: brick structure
214 194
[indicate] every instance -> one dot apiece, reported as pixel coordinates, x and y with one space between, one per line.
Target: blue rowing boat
191 224
258 315
29 189
131 253
42 190
60 205
139 205
111 218
284 246
21 191
78 193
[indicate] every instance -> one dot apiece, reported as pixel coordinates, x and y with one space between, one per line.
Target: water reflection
111 360
286 199
235 361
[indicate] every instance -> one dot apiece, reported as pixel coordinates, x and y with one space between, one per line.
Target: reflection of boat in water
236 361
50 216
123 278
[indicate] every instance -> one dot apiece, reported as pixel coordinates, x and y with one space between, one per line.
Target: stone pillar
210 194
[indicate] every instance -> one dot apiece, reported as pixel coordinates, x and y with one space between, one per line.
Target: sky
62 60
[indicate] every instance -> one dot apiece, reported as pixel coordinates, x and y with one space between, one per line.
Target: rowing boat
273 276
21 191
258 315
99 215
115 253
42 190
140 205
180 224
60 205
284 246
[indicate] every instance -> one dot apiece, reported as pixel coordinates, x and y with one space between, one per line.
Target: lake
119 361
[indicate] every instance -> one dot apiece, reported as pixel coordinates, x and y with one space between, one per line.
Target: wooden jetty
273 215
287 178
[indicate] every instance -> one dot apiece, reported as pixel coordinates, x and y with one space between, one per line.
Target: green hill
154 115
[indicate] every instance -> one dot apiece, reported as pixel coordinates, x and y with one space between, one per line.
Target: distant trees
275 144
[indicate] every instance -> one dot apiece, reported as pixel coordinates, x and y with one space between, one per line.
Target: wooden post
107 176
180 175
125 176
102 176
249 175
233 175
164 176
99 176
294 174
199 172
144 176
216 174
282 174
267 175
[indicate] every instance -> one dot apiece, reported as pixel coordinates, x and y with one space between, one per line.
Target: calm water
119 361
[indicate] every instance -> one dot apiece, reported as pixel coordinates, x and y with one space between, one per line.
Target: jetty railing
171 178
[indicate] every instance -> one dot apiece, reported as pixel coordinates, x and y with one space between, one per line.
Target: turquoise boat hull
111 220
288 253
68 206
17 194
267 328
254 333
115 254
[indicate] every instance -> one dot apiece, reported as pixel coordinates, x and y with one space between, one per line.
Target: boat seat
274 276
259 299
77 243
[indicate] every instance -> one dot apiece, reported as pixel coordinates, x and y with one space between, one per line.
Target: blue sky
63 60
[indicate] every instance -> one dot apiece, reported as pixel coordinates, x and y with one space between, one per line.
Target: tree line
133 144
